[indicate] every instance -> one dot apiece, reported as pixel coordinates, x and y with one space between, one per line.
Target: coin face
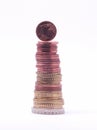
46 31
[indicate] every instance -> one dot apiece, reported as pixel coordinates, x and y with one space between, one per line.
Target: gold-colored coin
51 96
48 99
51 92
48 82
41 94
49 76
49 106
41 79
47 85
52 102
49 102
48 95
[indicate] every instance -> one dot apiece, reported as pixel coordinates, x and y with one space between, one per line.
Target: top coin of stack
47 95
46 31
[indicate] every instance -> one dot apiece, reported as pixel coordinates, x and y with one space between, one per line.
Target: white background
76 22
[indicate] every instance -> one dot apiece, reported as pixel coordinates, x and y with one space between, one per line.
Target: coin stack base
48 111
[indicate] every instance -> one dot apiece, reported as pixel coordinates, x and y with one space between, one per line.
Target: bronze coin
47 57
47 50
48 60
46 31
48 88
46 43
46 53
52 86
47 67
51 71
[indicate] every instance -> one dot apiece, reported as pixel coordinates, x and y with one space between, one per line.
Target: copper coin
52 86
45 53
43 66
51 48
49 71
46 31
47 50
47 57
47 88
48 60
50 74
46 45
42 43
50 64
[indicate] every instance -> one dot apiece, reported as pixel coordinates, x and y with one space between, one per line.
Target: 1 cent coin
46 31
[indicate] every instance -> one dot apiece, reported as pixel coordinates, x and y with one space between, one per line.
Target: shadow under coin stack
48 89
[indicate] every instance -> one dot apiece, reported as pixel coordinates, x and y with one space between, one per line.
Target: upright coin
46 31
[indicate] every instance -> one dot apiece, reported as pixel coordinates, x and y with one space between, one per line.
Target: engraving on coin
46 31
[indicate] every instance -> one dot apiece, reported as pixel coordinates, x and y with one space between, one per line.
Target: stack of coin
47 94
48 89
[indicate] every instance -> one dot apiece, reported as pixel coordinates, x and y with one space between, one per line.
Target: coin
47 88
49 79
48 106
53 64
58 70
45 94
43 66
58 85
48 57
48 82
46 43
45 101
48 60
46 50
45 53
46 31
50 74
45 76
